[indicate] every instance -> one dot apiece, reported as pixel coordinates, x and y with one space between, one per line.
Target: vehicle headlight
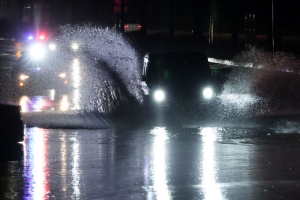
24 103
159 95
64 103
23 77
62 75
37 51
208 93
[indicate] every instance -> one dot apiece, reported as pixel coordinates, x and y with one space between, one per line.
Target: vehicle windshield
178 67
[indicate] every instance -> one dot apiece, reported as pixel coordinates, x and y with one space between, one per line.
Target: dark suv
176 76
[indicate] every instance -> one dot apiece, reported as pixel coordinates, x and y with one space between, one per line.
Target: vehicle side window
158 71
145 67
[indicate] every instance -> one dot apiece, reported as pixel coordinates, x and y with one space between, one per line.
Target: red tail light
42 37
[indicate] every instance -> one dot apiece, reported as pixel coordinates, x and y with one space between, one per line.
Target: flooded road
157 163
237 153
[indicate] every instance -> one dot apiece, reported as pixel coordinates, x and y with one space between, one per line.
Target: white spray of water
261 59
286 126
109 70
261 84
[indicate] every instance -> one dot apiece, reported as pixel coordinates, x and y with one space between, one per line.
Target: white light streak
36 166
210 186
23 77
64 103
76 84
24 103
75 169
159 175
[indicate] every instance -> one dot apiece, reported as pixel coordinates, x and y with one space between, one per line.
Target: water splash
261 59
286 126
115 75
105 68
264 84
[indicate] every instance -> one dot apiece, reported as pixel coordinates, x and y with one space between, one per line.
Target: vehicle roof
180 62
170 54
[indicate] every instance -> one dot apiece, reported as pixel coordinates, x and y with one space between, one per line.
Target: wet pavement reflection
36 168
159 163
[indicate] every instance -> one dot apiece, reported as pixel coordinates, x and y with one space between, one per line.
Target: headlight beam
159 95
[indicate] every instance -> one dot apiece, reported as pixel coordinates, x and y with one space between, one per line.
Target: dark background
249 21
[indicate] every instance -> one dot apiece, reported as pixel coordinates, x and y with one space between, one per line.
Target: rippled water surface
158 163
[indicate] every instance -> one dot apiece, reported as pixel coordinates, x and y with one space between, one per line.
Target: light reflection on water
64 160
209 172
55 161
70 177
95 164
75 168
36 164
158 170
205 163
159 166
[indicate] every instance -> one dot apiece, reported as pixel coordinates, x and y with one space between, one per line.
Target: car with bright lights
170 77
39 82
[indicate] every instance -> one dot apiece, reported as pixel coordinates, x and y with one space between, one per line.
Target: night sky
228 15
225 12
